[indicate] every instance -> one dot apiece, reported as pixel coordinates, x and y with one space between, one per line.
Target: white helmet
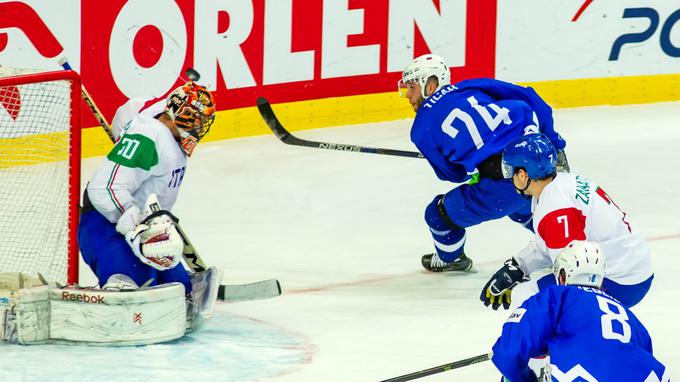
422 68
582 263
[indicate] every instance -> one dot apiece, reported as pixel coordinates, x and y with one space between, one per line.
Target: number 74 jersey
461 125
572 207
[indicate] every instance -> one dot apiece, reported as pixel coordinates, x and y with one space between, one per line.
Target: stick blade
252 291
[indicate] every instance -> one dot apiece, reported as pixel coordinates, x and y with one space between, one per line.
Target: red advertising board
131 46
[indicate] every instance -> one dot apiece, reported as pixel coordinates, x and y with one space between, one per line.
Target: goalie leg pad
100 317
13 281
176 274
203 295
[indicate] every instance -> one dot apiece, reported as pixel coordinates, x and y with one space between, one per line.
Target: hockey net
39 173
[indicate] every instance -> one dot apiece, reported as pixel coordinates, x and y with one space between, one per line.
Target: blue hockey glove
496 292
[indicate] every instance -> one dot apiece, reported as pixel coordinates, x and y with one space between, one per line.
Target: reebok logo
82 297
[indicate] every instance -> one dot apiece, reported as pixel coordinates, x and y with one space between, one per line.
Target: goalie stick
191 74
441 368
90 103
229 292
286 137
226 292
253 291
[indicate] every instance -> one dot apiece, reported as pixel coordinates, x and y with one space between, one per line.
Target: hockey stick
441 368
286 137
191 73
253 291
234 292
90 103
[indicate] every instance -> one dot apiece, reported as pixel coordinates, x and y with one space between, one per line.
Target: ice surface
343 232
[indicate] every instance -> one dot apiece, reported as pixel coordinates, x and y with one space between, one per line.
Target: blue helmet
533 152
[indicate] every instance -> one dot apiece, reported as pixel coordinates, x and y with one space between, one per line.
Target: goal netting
39 173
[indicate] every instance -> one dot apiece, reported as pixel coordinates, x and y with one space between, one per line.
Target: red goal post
40 173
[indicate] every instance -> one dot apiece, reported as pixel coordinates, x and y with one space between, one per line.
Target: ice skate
433 263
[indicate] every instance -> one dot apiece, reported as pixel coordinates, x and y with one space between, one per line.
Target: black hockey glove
497 291
562 163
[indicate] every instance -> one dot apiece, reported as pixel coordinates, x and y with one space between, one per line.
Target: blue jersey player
588 335
461 130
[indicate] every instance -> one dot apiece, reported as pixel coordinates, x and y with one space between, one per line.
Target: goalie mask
192 108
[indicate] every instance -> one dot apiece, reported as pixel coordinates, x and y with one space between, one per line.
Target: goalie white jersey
129 110
146 159
572 207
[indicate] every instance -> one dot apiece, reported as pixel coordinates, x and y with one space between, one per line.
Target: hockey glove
496 292
562 163
156 242
129 220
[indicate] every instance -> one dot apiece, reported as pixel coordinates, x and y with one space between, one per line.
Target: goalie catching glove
497 291
152 235
156 241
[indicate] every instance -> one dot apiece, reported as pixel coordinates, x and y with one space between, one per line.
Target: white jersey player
116 235
567 207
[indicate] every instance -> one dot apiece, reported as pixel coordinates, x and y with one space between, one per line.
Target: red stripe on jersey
603 195
560 227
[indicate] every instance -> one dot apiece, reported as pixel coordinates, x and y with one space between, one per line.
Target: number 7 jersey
571 207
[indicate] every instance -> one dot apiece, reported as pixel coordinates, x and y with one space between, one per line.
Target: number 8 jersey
572 207
589 336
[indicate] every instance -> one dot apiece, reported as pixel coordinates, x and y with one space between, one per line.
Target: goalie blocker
33 313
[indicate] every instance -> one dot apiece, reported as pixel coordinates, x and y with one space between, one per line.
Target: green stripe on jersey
134 151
